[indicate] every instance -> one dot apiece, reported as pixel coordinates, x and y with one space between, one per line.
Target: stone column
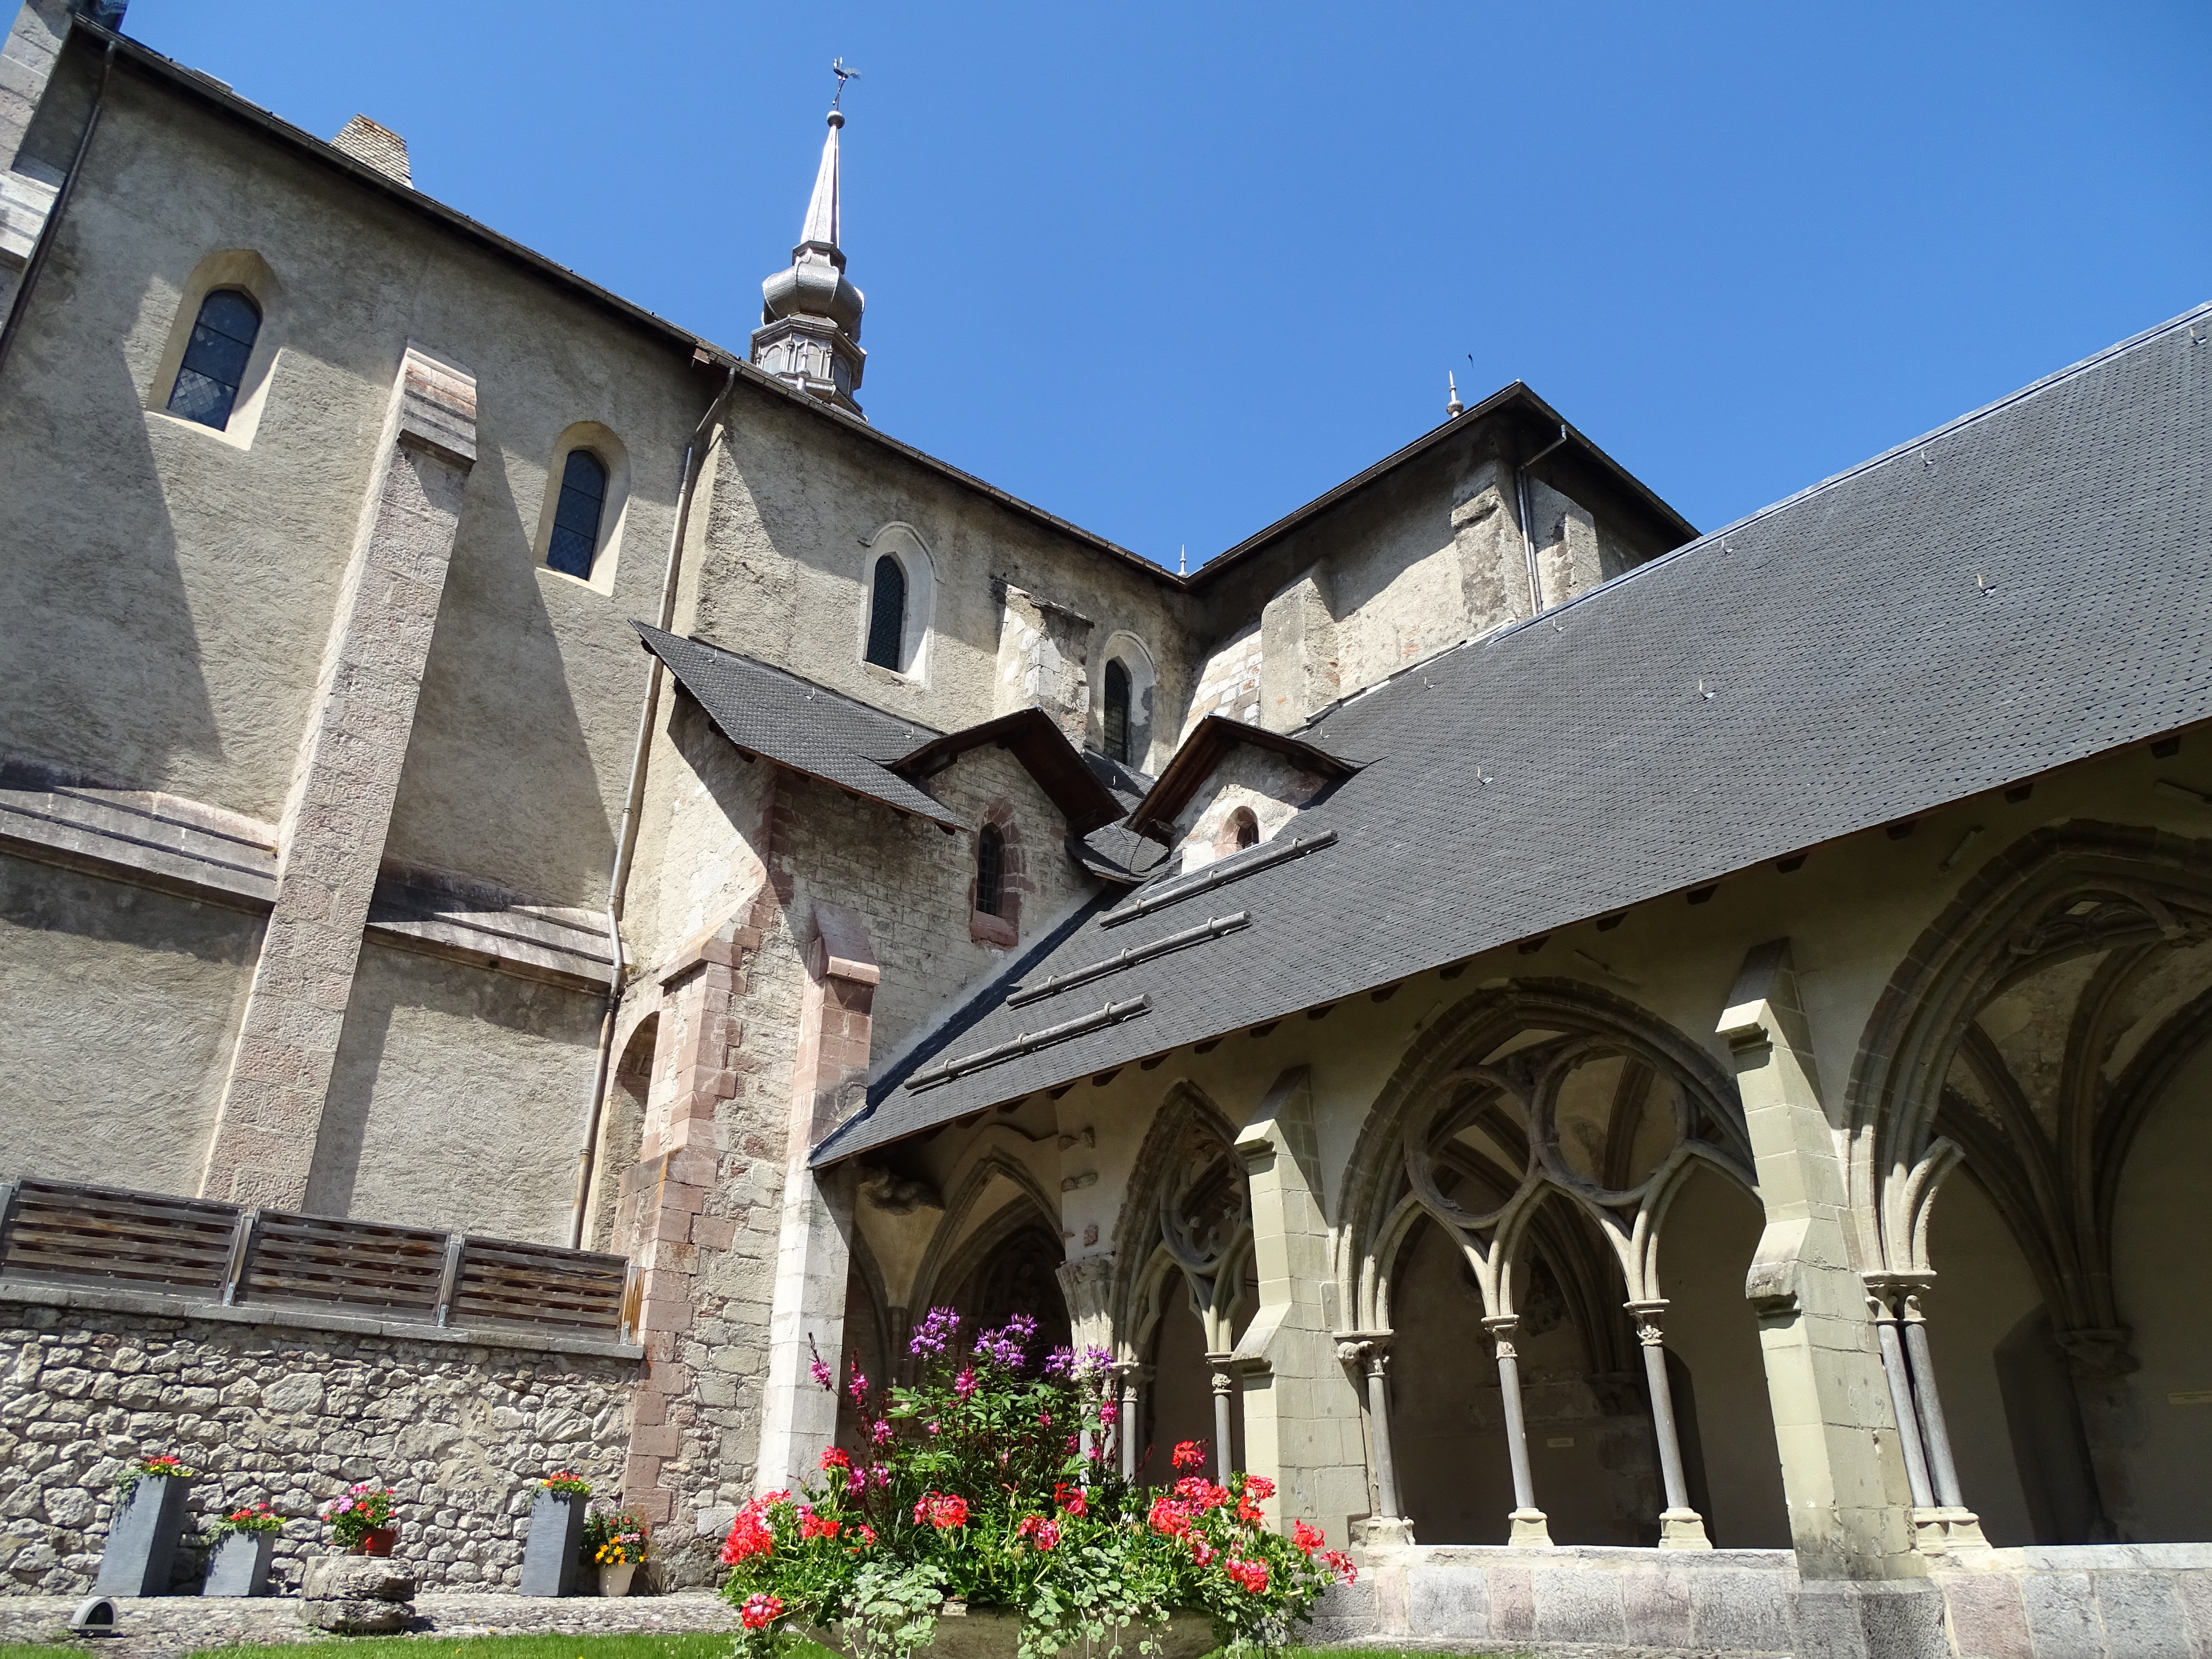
1129 1413
799 1417
1942 1524
1849 1501
1680 1526
1529 1529
1370 1350
1225 1385
1302 1427
344 780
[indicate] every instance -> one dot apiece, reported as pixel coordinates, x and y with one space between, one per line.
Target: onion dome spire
810 332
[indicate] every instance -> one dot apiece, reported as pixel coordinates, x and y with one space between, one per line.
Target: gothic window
990 870
214 358
1117 711
887 614
1246 828
576 541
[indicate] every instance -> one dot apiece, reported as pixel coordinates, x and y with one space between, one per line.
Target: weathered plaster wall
1268 785
187 664
797 497
120 1003
458 1099
289 1418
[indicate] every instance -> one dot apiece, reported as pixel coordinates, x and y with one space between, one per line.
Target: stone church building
1656 1083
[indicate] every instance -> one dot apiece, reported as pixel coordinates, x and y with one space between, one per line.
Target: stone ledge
149 1304
159 1627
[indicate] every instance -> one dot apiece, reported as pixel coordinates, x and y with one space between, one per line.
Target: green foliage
972 1484
164 1464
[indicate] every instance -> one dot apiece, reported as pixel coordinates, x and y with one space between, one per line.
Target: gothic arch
2099 927
952 1252
1189 1153
1498 1061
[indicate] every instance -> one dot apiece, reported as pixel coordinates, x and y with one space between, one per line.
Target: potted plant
143 1531
969 1496
244 1540
360 1519
615 1541
556 1536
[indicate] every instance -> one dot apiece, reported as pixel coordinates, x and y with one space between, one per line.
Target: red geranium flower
760 1610
1189 1454
1071 1498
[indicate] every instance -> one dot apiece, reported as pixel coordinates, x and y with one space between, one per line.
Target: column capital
1648 1316
1502 1328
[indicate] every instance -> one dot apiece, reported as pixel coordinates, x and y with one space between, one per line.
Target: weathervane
837 68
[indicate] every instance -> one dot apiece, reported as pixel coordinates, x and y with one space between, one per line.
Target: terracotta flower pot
614 1577
377 1541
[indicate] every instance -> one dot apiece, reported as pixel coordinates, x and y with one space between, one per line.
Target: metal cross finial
837 68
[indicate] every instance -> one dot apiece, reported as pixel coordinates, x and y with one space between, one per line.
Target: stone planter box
995 1633
557 1541
142 1538
239 1565
615 1580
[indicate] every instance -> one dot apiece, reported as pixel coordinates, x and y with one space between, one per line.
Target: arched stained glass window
576 520
990 870
887 614
215 358
1117 711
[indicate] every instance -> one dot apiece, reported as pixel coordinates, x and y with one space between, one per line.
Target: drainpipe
626 830
1528 540
48 231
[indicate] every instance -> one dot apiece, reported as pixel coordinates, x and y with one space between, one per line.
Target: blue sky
1171 270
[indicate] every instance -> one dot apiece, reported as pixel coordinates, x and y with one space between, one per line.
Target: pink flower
1109 1413
964 1384
760 1610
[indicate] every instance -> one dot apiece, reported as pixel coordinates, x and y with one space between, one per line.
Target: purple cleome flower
1007 1347
936 1333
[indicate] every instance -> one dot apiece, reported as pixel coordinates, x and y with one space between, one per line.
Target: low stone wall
2091 1602
287 1409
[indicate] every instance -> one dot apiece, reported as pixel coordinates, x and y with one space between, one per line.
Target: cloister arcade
1541 1237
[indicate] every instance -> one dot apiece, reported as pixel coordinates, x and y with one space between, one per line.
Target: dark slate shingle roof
798 724
2026 587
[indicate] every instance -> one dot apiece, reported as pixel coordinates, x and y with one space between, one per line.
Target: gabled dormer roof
1200 758
809 728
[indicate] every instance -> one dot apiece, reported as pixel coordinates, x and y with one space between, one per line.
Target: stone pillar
1849 1503
799 1417
1680 1526
1941 1522
1044 662
331 837
1224 1380
1129 1414
1531 1530
1302 1426
1386 1526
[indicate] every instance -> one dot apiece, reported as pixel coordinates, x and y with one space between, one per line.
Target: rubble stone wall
283 1414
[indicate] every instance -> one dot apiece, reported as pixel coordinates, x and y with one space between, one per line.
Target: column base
1529 1531
1955 1535
1383 1532
1682 1529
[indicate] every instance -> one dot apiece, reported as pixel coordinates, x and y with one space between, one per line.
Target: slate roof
800 724
2026 587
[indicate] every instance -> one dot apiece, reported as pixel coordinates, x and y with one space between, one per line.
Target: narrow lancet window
1246 828
990 870
576 520
1117 711
215 358
887 614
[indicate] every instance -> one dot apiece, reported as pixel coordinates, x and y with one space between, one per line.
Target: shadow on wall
117 1079
115 678
498 718
457 1100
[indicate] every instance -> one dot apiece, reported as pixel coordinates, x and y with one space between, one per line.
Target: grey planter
239 1565
556 1538
142 1538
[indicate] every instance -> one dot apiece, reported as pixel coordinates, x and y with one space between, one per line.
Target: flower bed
971 1491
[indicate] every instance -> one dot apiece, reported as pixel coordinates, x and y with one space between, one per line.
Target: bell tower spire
810 331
